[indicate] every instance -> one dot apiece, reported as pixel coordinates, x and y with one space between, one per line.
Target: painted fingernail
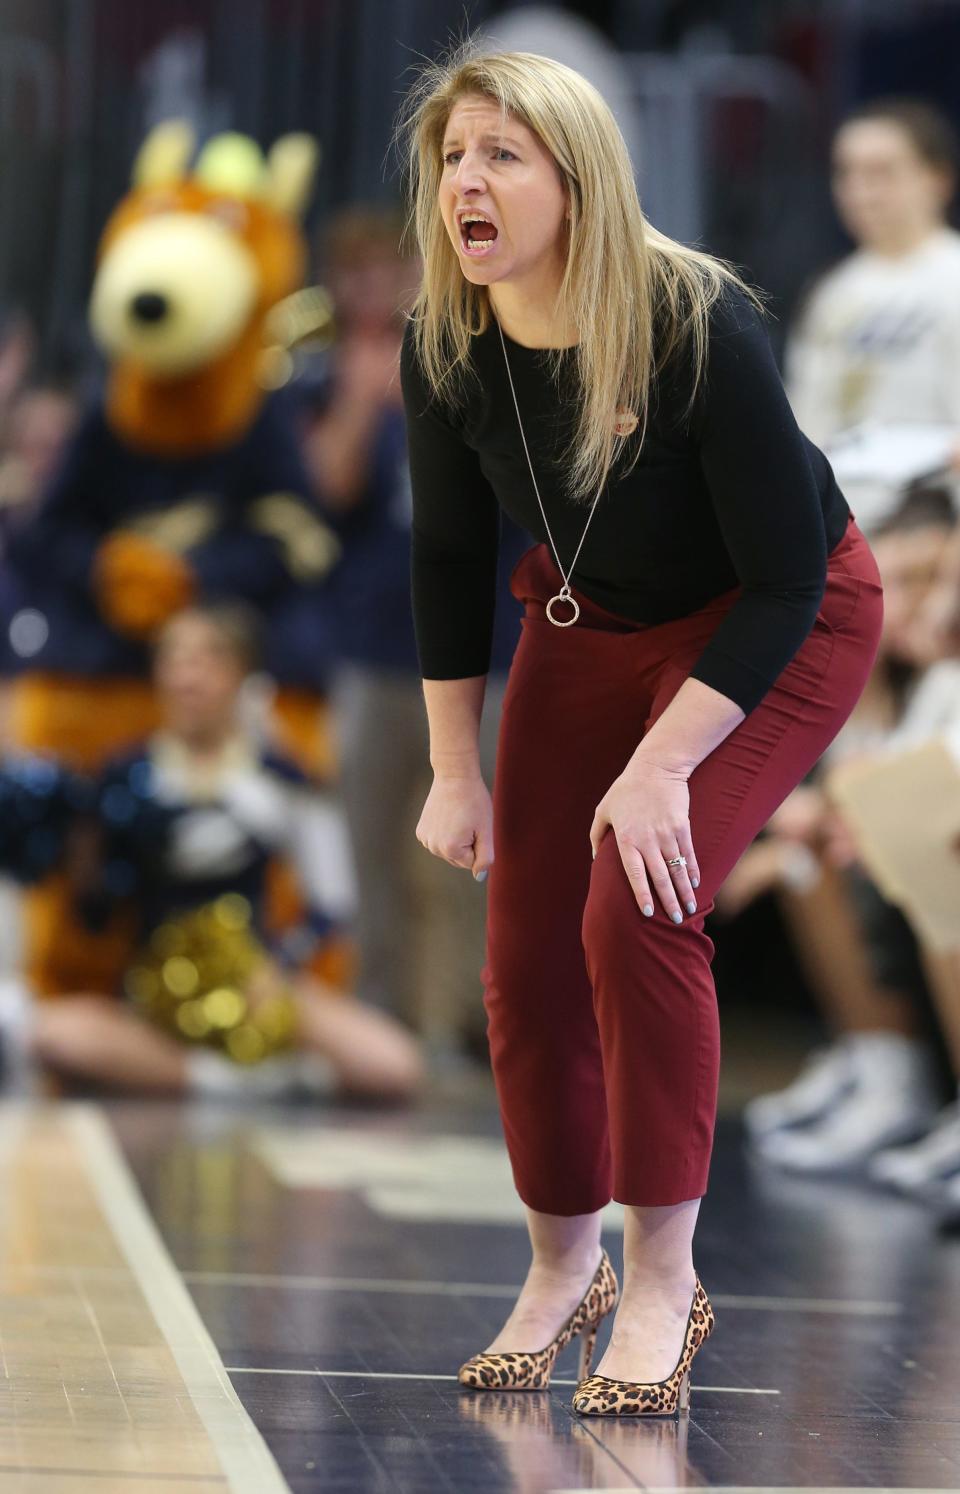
694 881
648 910
691 907
480 877
677 917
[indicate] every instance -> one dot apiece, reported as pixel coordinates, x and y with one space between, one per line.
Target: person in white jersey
873 373
873 361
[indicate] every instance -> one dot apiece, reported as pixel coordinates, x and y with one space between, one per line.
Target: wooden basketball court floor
200 1299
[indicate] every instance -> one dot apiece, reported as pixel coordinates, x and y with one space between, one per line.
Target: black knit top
729 494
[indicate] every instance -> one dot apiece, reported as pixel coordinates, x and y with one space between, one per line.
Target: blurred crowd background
213 747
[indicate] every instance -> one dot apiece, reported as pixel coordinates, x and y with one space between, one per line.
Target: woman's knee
611 912
614 929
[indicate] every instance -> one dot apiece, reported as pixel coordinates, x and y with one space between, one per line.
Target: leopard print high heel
600 1396
531 1371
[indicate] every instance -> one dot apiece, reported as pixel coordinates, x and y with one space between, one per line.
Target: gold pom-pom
195 977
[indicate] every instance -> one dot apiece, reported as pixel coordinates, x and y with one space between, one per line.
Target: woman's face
197 676
502 171
884 190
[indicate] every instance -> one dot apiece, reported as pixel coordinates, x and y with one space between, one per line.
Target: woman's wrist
455 764
671 765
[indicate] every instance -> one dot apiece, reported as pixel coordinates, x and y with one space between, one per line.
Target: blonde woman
701 614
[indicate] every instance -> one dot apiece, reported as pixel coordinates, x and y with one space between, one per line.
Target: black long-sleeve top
729 494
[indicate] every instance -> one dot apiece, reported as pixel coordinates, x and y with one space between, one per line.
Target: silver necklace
564 594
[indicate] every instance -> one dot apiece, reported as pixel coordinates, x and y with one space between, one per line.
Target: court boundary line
244 1369
247 1462
738 1302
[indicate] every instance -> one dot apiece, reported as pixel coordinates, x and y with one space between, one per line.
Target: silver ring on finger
677 861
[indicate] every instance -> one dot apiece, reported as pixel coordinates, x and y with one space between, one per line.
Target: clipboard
905 812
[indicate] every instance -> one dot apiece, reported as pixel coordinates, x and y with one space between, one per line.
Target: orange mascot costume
184 482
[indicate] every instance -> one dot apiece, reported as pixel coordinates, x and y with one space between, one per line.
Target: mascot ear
164 155
291 167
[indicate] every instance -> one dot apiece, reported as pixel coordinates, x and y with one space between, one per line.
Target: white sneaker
826 1075
214 1075
928 1163
893 1100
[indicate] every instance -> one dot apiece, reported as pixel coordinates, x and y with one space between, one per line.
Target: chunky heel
532 1370
588 1342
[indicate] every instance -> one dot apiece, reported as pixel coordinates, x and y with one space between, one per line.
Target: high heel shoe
600 1396
531 1371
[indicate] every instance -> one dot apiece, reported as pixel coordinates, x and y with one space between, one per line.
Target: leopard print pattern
600 1396
531 1371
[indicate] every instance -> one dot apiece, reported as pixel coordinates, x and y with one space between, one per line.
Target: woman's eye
500 151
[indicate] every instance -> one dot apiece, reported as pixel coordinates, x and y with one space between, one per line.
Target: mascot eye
230 213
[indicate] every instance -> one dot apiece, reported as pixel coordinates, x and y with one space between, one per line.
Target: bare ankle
663 1282
579 1261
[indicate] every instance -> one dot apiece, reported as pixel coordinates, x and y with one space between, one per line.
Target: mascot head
191 263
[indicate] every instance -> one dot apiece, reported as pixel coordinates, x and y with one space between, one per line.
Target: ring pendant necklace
564 594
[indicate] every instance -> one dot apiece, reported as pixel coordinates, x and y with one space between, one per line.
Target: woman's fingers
668 891
482 858
474 858
685 848
636 870
647 868
684 878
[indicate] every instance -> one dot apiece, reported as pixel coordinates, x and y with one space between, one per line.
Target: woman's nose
468 175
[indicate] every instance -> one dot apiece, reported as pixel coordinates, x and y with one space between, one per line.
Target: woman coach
701 614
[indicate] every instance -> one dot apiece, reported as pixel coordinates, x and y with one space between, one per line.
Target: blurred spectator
17 351
877 1080
186 828
873 370
40 421
38 424
420 924
873 363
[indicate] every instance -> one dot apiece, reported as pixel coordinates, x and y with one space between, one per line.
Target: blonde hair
620 273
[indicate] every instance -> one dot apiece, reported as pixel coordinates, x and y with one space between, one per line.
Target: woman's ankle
666 1282
574 1262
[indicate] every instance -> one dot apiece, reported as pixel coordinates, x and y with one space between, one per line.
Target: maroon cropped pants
603 1024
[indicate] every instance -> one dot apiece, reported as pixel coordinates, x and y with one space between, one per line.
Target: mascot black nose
149 306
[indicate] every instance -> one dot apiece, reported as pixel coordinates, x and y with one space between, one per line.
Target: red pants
603 1024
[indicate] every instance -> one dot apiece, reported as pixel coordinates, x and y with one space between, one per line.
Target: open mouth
477 235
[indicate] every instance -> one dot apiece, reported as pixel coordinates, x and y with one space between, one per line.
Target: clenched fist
457 824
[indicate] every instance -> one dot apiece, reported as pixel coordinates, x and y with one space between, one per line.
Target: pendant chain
564 594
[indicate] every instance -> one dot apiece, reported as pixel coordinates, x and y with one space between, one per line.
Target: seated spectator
184 831
876 1081
39 804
